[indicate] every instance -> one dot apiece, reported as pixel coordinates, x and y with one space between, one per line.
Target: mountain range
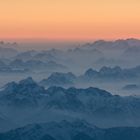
100 53
105 74
30 65
65 103
65 130
33 103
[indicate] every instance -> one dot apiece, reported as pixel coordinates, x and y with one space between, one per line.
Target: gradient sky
69 19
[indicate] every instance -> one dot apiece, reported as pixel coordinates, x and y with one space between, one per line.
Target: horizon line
64 40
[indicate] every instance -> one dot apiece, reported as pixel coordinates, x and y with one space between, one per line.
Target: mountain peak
28 81
90 72
25 87
59 79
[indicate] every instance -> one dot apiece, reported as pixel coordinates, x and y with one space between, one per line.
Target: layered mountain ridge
64 130
92 104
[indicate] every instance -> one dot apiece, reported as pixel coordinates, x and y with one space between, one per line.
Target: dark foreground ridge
64 130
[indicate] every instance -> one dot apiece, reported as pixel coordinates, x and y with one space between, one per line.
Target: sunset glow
69 19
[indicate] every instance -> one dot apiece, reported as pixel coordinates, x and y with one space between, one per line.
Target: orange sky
69 19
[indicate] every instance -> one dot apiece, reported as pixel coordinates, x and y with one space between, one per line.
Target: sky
69 19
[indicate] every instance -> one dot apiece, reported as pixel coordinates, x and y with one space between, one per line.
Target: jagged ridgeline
27 102
76 130
86 92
